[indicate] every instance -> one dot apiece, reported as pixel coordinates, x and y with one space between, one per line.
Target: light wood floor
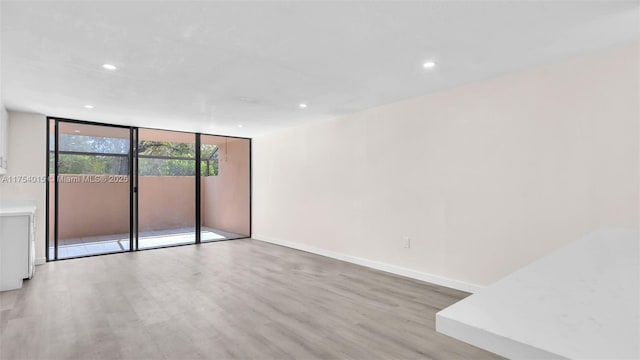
240 299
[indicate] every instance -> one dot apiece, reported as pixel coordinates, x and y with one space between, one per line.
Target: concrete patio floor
105 244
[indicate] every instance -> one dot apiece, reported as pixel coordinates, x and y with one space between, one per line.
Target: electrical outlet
407 242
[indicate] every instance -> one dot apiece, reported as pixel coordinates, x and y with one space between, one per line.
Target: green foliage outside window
91 164
156 158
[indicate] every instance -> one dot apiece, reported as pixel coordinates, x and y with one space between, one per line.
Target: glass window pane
166 189
148 166
93 190
225 185
69 163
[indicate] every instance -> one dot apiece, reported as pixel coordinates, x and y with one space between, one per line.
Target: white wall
484 178
27 157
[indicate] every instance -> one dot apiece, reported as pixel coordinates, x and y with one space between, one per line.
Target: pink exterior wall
166 202
92 209
225 198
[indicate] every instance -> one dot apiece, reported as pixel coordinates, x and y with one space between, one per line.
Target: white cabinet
4 117
17 245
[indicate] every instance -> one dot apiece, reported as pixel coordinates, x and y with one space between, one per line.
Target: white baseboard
40 260
430 278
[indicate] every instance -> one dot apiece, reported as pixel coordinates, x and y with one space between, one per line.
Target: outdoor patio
104 244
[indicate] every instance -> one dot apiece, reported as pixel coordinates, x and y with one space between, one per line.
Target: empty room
320 180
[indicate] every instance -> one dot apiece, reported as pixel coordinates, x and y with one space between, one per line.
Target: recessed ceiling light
88 106
76 131
239 125
302 105
429 64
109 67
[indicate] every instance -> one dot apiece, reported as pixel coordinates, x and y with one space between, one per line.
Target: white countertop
581 301
17 208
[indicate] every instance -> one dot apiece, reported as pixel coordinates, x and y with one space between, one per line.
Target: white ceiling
211 66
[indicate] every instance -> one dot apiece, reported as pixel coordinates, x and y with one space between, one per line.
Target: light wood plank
240 299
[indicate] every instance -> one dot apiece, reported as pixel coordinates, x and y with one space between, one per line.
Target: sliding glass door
117 188
91 194
225 188
166 188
